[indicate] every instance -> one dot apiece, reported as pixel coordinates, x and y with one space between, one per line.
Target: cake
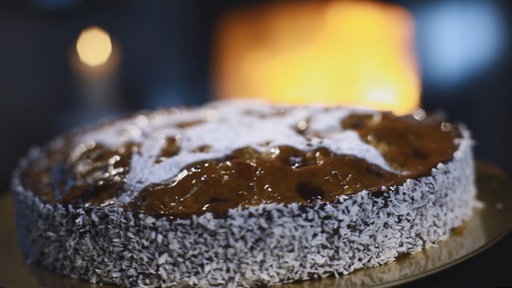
242 193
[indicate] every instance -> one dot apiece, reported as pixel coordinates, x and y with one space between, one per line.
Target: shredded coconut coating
260 245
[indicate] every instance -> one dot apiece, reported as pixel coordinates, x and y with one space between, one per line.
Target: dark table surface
491 268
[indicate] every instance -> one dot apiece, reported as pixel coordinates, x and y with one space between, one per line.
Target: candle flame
94 46
357 53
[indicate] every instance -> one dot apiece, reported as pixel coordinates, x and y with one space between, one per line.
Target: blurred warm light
356 53
94 46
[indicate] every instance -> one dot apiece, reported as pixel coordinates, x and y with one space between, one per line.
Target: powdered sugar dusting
226 126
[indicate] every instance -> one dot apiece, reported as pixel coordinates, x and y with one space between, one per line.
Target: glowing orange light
94 46
356 53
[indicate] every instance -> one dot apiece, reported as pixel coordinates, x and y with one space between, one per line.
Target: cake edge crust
259 245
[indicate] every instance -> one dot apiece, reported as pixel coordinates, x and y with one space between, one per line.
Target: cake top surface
218 129
236 153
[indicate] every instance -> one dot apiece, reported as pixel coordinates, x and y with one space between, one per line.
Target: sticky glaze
91 174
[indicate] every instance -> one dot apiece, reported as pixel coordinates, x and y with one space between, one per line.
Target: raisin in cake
242 193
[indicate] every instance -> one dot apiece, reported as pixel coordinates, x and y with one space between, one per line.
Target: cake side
258 245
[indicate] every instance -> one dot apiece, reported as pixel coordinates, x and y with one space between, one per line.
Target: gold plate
486 226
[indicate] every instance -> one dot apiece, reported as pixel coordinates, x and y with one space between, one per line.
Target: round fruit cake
242 193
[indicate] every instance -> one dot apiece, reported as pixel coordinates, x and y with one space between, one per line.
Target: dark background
463 47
